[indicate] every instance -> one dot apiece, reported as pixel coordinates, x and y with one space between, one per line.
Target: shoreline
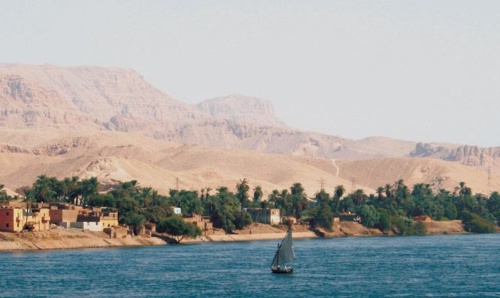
58 239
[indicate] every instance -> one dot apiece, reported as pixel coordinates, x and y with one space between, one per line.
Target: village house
16 218
201 222
11 219
265 216
64 214
95 219
176 210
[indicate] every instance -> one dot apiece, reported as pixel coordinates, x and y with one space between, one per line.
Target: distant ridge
57 120
241 108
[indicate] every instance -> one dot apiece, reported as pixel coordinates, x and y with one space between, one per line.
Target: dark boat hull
282 270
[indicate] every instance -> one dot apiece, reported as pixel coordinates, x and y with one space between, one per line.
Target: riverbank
74 238
69 239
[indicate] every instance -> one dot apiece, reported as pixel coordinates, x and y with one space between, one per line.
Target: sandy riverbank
73 238
68 239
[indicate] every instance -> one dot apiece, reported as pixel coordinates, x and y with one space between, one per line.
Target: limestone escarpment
243 109
473 156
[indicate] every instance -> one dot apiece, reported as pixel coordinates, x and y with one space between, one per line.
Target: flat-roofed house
63 215
265 216
11 219
95 219
109 218
15 219
201 222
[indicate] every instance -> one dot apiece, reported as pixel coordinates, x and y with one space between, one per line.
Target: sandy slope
162 165
114 156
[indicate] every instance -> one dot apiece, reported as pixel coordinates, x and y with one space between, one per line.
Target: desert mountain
244 109
112 99
110 123
474 156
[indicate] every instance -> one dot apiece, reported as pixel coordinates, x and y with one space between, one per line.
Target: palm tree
43 190
463 190
299 199
339 191
3 193
389 192
207 192
297 189
257 195
242 189
358 196
274 198
88 189
146 196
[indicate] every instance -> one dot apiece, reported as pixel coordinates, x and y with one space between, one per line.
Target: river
426 266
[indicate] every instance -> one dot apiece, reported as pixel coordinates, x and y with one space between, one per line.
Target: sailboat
284 255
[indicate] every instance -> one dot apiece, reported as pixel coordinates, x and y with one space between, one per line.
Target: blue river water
428 266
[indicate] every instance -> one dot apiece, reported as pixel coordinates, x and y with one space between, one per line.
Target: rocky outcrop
13 149
429 150
468 155
475 156
53 96
244 109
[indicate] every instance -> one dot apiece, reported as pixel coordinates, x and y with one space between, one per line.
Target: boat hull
282 270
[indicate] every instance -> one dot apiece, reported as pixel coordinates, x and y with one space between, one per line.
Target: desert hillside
115 156
111 123
118 156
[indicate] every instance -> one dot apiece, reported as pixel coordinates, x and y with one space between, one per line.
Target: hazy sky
421 70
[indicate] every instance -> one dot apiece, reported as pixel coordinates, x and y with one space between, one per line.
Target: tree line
391 209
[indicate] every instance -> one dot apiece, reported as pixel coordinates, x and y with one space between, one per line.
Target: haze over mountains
111 123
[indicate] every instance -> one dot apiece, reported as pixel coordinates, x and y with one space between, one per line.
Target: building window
7 225
7 214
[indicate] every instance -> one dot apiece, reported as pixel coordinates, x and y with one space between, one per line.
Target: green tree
298 200
380 193
188 201
384 222
476 224
358 197
242 219
242 189
321 212
257 196
338 193
223 209
369 215
137 222
88 189
43 190
178 228
3 194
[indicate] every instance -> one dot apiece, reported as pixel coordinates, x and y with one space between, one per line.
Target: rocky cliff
250 110
114 99
474 156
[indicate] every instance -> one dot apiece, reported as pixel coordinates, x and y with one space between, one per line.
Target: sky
420 70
